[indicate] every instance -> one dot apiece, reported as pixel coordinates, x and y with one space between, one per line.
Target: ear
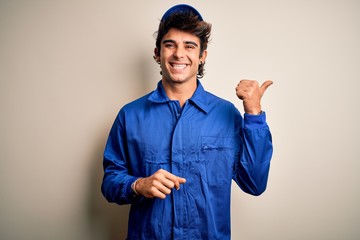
203 57
156 55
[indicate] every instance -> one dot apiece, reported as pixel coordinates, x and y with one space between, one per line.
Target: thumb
265 85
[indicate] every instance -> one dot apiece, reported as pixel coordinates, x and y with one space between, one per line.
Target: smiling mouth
178 66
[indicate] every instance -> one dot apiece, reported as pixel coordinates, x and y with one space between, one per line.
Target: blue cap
181 8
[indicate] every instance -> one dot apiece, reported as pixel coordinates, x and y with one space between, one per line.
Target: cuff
131 196
255 121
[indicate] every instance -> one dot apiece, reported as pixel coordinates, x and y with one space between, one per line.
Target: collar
199 98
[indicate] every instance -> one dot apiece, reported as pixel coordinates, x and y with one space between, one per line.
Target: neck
179 91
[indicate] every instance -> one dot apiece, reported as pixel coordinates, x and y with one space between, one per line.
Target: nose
179 52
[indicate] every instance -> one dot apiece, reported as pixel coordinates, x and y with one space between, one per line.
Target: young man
173 153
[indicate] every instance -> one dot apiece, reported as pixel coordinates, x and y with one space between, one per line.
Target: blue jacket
207 142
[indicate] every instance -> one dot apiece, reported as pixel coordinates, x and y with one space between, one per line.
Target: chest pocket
217 156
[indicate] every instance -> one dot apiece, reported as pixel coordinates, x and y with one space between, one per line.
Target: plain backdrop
68 66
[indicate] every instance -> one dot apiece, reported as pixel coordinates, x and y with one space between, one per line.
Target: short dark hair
188 22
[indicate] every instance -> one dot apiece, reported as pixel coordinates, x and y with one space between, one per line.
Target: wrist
254 112
133 187
252 109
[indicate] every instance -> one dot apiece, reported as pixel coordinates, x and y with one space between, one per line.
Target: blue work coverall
206 141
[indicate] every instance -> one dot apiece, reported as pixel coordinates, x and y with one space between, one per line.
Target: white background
66 68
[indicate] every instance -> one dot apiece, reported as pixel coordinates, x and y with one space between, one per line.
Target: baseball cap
181 8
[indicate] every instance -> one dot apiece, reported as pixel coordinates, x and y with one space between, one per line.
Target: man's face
180 56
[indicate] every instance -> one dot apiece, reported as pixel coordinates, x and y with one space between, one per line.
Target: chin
175 78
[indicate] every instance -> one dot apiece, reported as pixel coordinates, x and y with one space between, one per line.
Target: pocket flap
219 143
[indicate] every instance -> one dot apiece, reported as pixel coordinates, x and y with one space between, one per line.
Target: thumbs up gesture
251 93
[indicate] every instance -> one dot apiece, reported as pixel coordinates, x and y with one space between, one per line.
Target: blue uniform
206 141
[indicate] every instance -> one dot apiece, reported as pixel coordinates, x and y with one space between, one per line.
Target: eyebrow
186 42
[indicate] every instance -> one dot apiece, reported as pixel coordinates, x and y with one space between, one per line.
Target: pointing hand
251 94
159 184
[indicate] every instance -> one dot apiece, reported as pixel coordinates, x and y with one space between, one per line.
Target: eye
190 46
169 45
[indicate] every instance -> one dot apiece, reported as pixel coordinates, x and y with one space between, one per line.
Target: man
173 153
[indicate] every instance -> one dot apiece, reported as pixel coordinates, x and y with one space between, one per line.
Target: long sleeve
116 186
252 164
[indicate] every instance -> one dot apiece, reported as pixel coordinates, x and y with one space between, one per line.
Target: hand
251 94
159 184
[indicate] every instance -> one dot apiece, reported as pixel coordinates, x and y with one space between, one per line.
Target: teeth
179 65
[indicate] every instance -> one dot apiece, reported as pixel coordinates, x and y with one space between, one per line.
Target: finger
168 183
241 94
181 181
165 178
243 81
162 187
174 179
157 193
265 85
